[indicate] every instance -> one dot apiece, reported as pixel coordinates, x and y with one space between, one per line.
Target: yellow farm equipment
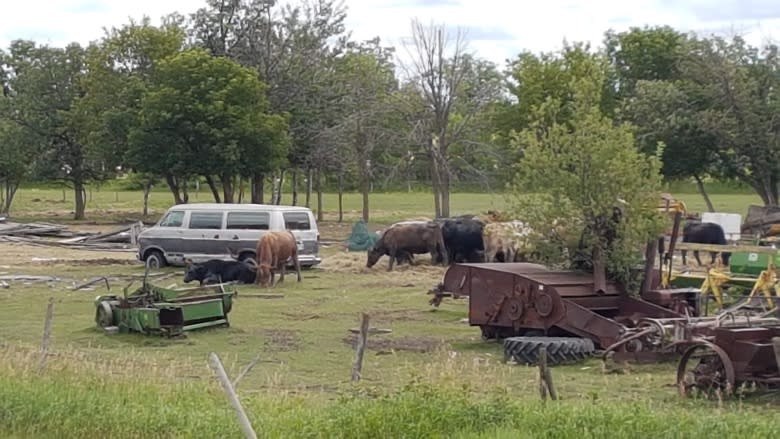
717 275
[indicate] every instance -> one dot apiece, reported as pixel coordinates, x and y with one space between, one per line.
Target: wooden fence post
776 346
357 368
546 385
216 366
46 334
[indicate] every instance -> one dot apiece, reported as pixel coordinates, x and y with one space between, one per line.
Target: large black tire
560 350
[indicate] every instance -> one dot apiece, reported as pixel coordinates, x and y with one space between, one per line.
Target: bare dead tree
448 81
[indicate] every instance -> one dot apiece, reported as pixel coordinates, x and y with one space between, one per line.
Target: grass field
431 377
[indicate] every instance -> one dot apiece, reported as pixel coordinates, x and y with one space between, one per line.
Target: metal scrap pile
41 234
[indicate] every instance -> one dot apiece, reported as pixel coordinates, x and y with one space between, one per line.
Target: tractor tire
560 350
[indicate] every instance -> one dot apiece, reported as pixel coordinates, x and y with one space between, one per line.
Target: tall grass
73 401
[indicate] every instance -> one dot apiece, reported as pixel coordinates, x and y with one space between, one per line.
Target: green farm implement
154 310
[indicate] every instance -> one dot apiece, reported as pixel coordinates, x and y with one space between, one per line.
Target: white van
203 231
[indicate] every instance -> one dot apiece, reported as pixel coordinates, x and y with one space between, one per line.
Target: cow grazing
404 256
410 238
273 251
705 233
463 238
218 271
510 239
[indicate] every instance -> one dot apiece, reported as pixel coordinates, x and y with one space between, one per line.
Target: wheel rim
705 370
153 261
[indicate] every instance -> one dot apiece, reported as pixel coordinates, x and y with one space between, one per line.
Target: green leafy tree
663 114
15 160
643 54
734 88
208 116
576 171
540 90
120 70
292 47
42 90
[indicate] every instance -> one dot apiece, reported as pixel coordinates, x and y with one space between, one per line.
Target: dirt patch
385 344
14 254
280 340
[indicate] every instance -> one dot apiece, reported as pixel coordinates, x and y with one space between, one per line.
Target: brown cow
412 238
273 251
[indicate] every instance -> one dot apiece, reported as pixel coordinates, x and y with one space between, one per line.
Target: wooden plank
725 248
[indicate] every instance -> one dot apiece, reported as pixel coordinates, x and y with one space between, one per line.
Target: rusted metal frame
586 323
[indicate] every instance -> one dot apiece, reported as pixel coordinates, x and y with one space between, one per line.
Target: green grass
97 403
432 376
108 206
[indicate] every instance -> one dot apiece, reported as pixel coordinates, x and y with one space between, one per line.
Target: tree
643 54
540 87
367 79
15 161
577 171
440 69
121 67
664 115
733 87
43 87
292 48
206 116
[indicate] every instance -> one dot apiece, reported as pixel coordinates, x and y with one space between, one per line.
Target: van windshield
173 219
297 221
248 220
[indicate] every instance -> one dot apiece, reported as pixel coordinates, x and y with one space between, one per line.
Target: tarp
361 238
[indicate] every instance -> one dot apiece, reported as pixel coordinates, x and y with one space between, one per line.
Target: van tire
155 259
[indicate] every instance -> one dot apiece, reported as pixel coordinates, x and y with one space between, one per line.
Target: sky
496 29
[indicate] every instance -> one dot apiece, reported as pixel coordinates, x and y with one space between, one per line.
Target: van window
297 221
206 220
248 220
173 219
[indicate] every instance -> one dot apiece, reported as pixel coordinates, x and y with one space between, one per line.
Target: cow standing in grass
273 251
705 233
410 238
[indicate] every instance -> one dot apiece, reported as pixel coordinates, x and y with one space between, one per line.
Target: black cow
217 271
463 238
705 233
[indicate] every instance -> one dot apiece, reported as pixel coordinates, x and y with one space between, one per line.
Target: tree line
246 93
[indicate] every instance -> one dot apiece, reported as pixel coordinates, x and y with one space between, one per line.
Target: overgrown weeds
128 398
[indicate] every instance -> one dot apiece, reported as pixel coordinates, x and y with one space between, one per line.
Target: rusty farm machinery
154 310
529 306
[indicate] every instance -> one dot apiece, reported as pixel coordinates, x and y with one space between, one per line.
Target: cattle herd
465 238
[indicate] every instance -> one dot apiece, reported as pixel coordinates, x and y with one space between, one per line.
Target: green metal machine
154 310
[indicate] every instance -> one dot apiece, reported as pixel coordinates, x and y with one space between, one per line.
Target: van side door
243 229
203 234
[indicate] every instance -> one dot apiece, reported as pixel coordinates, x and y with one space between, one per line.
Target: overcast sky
497 29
